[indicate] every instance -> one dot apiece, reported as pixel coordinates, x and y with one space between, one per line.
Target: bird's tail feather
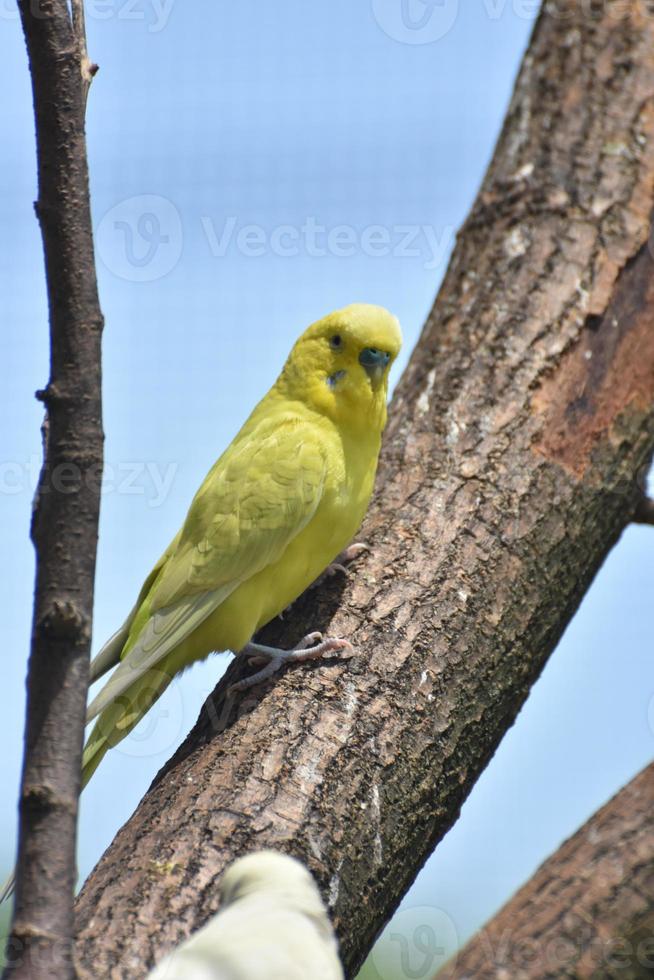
8 888
110 653
122 715
115 722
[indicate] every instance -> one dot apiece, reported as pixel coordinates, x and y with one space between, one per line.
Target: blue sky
254 166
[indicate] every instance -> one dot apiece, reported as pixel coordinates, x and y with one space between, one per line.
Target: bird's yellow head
340 364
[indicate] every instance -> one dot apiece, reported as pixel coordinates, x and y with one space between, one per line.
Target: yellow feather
282 501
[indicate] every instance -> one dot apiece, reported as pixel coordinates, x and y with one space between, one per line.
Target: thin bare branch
65 517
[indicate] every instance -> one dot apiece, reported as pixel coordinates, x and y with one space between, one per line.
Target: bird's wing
257 497
255 500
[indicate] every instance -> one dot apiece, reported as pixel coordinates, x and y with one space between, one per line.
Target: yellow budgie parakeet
281 502
272 925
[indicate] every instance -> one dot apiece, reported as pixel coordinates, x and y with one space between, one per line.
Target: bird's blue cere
374 361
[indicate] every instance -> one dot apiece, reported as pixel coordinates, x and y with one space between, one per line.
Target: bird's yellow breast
345 498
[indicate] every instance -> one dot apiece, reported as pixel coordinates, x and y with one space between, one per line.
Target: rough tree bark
588 911
517 438
65 518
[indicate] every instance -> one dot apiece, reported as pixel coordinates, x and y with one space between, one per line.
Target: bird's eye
336 342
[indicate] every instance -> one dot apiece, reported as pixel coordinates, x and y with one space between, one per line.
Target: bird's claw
340 563
309 640
313 646
352 551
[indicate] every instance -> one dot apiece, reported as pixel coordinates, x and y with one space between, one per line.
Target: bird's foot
313 646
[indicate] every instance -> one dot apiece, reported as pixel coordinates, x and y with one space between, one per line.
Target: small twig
88 68
644 513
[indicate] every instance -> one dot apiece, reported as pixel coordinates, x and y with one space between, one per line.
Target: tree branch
589 909
65 518
644 513
509 471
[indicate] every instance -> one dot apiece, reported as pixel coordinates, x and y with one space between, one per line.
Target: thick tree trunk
588 911
65 519
511 465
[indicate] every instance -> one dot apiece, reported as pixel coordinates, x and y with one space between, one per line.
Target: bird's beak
374 362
